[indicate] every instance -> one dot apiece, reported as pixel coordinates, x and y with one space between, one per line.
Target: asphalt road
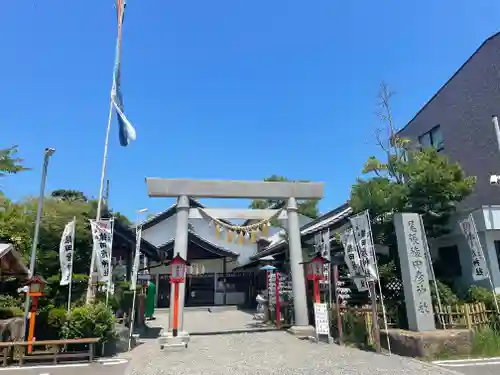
487 366
105 368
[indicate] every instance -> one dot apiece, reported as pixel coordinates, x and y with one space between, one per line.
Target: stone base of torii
288 191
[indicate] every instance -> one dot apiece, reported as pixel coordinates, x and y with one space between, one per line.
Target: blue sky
220 89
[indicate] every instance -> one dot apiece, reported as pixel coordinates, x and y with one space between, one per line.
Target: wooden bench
19 350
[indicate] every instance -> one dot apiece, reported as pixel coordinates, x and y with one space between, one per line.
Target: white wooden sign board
321 319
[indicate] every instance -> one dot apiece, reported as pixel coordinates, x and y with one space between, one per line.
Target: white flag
362 233
66 252
479 266
102 236
352 260
135 268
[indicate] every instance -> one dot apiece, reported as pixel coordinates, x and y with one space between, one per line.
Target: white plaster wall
211 266
164 231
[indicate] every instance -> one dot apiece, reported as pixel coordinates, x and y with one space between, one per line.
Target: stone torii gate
289 191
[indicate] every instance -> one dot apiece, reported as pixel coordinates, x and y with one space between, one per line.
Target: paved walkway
274 352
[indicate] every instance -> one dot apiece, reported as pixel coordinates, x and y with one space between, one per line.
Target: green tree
408 179
69 195
307 207
10 163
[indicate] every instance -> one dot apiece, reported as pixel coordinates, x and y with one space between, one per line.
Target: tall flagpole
90 291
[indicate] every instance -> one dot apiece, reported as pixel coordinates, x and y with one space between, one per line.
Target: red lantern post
36 286
178 267
315 271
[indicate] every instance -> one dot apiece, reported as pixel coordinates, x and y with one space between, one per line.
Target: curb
433 366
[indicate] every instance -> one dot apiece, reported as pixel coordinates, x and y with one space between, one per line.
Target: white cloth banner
135 267
102 235
352 260
362 234
66 247
479 266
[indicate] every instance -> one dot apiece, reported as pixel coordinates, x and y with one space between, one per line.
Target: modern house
457 121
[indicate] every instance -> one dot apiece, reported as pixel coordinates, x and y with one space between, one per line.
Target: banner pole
428 257
72 257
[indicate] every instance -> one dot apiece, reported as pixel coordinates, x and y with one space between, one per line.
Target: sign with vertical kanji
352 259
479 266
362 234
414 271
102 236
66 252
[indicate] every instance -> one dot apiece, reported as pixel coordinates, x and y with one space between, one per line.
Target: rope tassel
229 236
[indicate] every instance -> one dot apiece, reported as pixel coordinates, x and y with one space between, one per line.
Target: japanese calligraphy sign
321 319
479 266
322 246
362 234
414 271
66 253
135 267
102 235
352 260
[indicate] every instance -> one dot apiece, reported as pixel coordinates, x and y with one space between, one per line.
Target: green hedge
10 312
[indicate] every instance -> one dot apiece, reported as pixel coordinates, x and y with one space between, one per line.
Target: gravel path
267 353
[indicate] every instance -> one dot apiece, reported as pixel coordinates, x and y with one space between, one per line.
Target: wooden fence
468 316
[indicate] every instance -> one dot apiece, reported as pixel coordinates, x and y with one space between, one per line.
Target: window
433 137
449 257
497 249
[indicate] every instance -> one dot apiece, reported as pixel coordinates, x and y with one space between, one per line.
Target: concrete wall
487 238
463 108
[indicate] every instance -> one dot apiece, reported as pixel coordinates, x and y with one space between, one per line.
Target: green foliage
95 320
10 163
408 180
308 207
478 294
446 294
10 312
57 318
10 301
486 343
69 195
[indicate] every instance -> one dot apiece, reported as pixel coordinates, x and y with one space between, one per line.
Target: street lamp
47 153
495 179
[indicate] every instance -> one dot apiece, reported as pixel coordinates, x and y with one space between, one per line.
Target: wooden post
375 326
316 291
337 302
468 319
176 309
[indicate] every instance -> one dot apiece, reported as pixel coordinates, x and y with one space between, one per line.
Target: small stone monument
414 271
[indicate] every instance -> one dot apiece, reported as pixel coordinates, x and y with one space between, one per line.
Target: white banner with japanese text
479 266
66 248
135 267
362 234
102 236
352 260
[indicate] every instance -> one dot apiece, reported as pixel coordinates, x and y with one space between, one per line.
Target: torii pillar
290 191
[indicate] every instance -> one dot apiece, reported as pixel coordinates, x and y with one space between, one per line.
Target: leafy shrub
95 320
446 294
477 294
10 312
10 301
57 319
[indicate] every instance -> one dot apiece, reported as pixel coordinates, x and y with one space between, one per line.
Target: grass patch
486 343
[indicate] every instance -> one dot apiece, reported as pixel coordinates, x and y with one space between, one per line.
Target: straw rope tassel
229 236
217 230
265 229
252 235
242 237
